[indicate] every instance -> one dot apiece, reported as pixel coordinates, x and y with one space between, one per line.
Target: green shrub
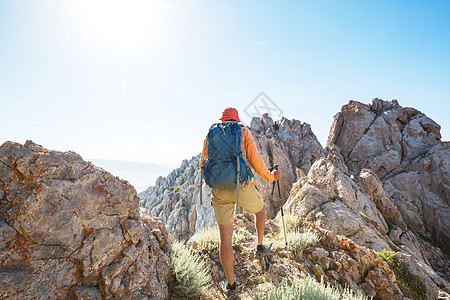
297 241
410 284
306 289
207 239
387 256
191 273
292 222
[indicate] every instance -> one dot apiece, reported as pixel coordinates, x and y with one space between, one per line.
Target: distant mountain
139 174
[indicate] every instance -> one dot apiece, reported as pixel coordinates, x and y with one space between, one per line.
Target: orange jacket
252 154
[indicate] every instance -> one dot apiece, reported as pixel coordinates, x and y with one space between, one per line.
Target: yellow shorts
223 202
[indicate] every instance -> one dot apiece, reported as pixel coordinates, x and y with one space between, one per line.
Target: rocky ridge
358 208
175 199
71 230
370 185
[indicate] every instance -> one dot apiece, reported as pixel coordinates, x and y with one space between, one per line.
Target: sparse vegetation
207 239
319 215
297 241
409 283
292 222
387 256
191 273
306 289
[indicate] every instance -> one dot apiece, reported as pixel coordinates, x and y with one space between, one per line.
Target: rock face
358 208
175 199
70 229
403 147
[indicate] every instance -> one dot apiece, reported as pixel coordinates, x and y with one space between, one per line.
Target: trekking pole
282 212
201 186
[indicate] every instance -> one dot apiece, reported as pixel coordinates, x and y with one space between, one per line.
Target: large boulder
70 229
358 208
403 147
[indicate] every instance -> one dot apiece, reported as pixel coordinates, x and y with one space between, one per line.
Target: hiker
223 200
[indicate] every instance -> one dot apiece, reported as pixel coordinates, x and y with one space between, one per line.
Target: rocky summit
382 182
403 147
367 216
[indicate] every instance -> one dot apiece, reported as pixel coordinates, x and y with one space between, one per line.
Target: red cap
230 113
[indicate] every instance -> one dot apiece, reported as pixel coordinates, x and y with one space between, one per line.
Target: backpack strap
238 183
244 155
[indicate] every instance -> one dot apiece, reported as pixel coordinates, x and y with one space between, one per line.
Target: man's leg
260 224
226 251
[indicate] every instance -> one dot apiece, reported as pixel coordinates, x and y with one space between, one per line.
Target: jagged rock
175 199
336 260
334 201
70 229
372 186
403 147
357 208
381 135
291 145
420 192
382 180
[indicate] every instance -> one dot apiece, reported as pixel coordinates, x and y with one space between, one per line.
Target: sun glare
124 26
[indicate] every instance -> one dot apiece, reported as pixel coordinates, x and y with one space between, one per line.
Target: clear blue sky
143 80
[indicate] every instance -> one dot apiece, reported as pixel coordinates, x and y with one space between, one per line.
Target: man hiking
225 196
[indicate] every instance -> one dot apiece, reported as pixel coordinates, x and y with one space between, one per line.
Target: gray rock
332 200
70 229
403 148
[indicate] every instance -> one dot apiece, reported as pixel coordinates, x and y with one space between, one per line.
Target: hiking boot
262 251
228 290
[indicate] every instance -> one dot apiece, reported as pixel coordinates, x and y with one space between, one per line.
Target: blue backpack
226 167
